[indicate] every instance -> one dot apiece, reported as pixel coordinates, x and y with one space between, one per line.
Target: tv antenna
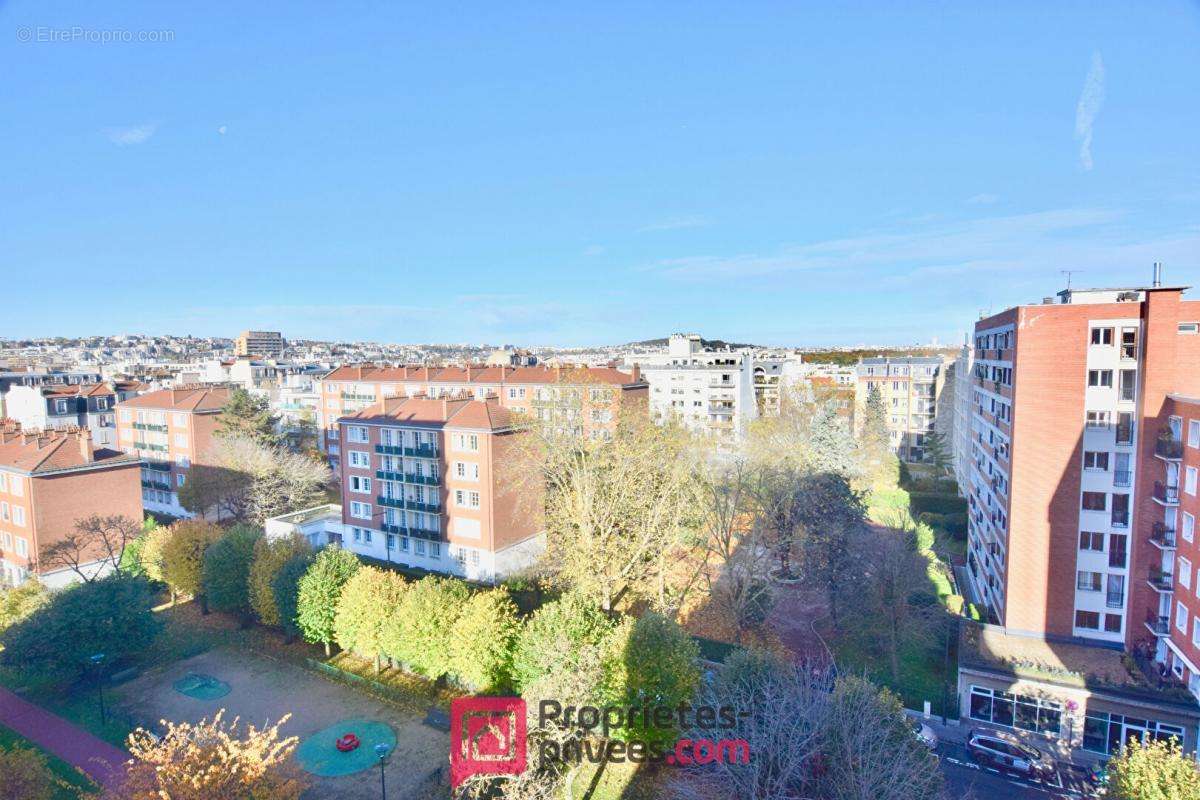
1069 273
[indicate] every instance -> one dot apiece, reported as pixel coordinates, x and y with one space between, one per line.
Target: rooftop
184 398
435 412
479 373
37 451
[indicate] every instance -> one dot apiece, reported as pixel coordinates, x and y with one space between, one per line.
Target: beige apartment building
259 344
910 387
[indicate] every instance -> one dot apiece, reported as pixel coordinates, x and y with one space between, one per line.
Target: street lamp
97 660
382 751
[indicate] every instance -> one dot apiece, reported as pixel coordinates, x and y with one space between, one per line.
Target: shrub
319 591
269 557
150 555
367 600
19 602
650 660
483 640
227 570
555 634
417 632
25 775
183 557
111 615
905 479
920 503
934 486
286 590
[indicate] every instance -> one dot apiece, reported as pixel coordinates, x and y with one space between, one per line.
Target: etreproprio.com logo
488 735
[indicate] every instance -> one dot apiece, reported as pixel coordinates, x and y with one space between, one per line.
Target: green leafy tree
483 640
650 661
150 555
937 452
131 558
183 557
248 416
269 557
286 589
555 636
18 602
367 599
25 775
319 591
111 615
417 633
1153 770
227 570
216 489
830 514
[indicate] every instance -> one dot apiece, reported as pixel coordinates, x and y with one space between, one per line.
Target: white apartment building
963 369
709 391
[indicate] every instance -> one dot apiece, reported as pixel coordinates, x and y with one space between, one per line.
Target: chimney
637 373
1157 274
85 445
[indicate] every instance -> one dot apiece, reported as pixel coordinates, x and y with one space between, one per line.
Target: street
967 779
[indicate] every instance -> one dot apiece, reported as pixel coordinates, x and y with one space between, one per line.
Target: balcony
1169 449
423 451
1115 599
429 508
147 484
389 449
1162 536
145 426
1161 582
158 448
385 475
1166 495
1159 626
358 398
1123 478
390 502
426 480
723 410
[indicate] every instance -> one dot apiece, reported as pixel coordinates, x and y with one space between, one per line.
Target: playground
324 714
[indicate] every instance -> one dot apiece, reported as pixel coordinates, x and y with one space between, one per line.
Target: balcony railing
1162 536
386 475
1122 477
389 449
1170 449
1120 519
1167 495
166 487
145 426
390 502
1160 581
1159 626
423 451
1115 599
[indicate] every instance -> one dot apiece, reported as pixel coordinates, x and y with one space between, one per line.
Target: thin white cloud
1090 102
136 134
221 130
674 224
983 199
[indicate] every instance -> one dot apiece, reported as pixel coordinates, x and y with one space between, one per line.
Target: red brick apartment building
433 483
170 430
1080 534
583 399
48 480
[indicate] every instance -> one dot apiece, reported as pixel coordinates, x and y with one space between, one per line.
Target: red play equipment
347 743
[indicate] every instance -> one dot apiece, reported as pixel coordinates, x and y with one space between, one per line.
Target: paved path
99 759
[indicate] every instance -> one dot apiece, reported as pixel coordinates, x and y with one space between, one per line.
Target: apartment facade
49 479
584 400
708 391
909 387
1080 513
170 430
963 375
72 405
259 344
435 483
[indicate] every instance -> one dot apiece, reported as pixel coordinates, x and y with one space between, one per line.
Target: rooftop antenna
1069 273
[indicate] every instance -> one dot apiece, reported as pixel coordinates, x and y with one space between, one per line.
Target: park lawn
76 783
922 676
617 782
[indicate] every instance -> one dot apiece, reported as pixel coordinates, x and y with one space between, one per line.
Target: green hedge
954 524
923 502
934 486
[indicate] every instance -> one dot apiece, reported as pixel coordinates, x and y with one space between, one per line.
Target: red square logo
487 737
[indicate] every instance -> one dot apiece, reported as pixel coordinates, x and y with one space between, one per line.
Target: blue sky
784 173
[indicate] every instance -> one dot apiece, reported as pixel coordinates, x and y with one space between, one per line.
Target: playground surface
263 689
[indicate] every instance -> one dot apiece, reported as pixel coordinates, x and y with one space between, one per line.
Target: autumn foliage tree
213 760
25 775
269 557
482 641
1153 770
183 557
367 599
318 593
417 632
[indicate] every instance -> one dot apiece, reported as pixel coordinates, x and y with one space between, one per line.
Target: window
1088 620
184 462
1193 439
466 499
420 547
1015 711
1112 623
1196 632
1088 581
360 484
357 433
1120 510
22 547
435 550
1185 573
1095 460
1128 384
359 459
3 487
1089 540
1189 527
4 511
1188 327
360 510
465 471
179 479
1102 335
1097 419
1100 377
1189 481
1117 543
1181 617
16 486
18 514
1107 733
126 415
1095 501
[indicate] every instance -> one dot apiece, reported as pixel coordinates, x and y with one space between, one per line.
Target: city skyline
460 187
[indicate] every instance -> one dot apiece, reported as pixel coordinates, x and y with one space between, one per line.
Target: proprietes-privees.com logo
488 735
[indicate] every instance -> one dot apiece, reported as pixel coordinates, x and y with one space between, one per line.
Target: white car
924 733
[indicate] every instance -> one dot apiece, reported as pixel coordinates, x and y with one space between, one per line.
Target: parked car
1009 756
924 733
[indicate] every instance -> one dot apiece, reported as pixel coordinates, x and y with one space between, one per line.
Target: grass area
923 674
617 782
72 783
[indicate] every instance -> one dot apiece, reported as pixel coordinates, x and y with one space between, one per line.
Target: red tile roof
36 451
472 373
184 398
435 412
